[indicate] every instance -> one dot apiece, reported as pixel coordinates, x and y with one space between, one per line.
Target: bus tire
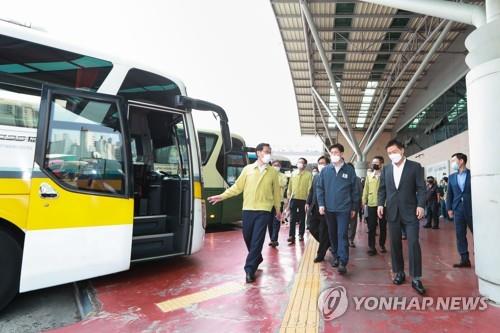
10 272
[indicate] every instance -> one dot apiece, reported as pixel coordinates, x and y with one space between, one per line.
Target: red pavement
128 299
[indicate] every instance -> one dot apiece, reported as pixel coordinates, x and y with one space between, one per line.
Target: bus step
151 225
152 245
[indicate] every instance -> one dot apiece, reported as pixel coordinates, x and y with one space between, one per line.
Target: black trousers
274 226
433 214
254 233
373 220
297 213
319 230
414 252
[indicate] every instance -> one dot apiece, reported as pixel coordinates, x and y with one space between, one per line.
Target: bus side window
235 164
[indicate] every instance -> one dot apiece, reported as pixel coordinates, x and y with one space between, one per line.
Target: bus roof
39 37
218 133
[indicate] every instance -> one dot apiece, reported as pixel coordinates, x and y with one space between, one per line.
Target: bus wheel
10 263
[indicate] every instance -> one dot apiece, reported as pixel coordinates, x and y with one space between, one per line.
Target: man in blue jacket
338 198
459 204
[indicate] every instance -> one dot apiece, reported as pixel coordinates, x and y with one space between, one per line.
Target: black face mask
375 167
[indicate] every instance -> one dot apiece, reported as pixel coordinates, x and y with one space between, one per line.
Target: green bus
219 171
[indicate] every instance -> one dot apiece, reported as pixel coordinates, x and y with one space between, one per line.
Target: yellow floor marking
301 314
198 297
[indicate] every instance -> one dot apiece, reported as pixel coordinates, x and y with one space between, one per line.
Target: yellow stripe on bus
75 210
197 190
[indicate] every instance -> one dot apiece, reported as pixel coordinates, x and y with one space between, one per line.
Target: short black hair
430 178
261 146
445 179
460 156
380 158
394 142
338 146
324 157
303 159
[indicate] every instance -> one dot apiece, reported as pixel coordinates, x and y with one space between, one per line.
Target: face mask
335 158
376 167
266 158
277 168
454 166
395 158
320 167
300 165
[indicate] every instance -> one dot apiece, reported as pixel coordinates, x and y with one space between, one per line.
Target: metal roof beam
359 41
371 15
324 59
409 85
378 52
354 29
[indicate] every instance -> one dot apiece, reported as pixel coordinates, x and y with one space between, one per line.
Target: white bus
99 163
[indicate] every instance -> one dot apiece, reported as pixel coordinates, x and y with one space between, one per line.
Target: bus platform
207 291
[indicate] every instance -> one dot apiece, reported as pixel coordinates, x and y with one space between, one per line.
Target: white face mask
335 158
266 158
300 165
395 158
320 167
454 166
277 168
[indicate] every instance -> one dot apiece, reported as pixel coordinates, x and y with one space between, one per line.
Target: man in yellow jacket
297 193
260 185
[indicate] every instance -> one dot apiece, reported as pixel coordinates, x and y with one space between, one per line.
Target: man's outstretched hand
215 199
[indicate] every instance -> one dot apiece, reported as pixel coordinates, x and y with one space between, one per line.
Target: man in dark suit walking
402 189
317 222
459 203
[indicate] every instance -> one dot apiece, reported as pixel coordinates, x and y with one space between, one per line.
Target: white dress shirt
337 168
397 171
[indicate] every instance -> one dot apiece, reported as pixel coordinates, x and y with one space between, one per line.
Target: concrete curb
86 299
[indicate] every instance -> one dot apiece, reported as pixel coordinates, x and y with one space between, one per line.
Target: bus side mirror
189 103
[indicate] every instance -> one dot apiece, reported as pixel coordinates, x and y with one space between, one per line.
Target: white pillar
483 101
361 167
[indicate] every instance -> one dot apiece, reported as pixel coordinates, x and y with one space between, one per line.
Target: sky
228 52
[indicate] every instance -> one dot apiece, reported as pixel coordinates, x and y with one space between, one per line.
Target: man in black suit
317 223
402 189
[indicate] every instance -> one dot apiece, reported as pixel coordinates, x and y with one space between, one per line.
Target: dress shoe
342 269
399 278
351 244
382 249
462 264
250 278
276 243
427 226
372 252
318 259
291 240
301 238
418 286
335 262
